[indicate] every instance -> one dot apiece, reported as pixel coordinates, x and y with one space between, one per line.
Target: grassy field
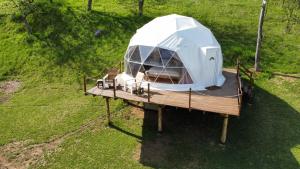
49 123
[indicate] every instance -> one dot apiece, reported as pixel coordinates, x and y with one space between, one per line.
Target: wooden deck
224 100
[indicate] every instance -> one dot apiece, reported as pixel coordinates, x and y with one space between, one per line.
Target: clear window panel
145 52
161 79
174 74
160 65
154 59
186 78
127 68
135 56
175 62
164 77
142 69
134 67
129 52
152 72
165 55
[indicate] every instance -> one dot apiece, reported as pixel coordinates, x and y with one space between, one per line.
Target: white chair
136 84
120 81
107 80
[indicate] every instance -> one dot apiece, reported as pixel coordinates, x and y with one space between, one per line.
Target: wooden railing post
238 66
148 92
114 89
190 98
121 66
84 85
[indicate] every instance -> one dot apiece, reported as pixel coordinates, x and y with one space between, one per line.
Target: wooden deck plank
222 100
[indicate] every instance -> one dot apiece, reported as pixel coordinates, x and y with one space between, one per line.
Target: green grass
267 135
50 64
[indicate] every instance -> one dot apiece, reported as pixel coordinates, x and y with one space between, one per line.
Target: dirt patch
9 87
22 154
137 152
137 112
280 80
3 98
287 77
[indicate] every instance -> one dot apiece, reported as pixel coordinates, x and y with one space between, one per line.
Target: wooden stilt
107 110
224 129
159 119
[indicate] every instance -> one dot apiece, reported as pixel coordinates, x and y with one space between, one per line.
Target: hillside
47 67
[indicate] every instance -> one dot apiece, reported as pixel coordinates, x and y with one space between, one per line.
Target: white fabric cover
195 44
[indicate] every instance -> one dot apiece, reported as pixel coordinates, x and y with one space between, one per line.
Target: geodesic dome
175 53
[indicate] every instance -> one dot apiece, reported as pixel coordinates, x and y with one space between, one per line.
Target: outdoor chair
135 86
107 80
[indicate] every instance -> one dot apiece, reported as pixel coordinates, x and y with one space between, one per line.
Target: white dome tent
175 53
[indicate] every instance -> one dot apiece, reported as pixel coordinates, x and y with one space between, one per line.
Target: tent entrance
211 68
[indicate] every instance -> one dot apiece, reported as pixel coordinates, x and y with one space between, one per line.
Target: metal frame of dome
167 62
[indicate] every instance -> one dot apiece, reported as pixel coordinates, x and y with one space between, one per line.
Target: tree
292 13
25 7
89 5
259 35
141 4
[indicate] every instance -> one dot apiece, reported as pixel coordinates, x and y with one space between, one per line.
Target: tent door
211 60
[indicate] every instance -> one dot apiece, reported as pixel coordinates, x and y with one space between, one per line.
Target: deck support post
159 118
107 110
224 129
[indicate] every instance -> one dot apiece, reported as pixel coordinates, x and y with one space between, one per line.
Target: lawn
49 123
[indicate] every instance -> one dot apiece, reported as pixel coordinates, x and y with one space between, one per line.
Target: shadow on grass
262 137
68 34
69 37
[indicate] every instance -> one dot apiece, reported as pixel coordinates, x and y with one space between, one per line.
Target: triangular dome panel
175 62
127 68
129 52
165 55
186 79
135 56
145 52
154 59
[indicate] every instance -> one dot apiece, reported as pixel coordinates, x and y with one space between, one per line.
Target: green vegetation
51 61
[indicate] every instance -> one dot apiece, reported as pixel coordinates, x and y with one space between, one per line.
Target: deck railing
241 69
